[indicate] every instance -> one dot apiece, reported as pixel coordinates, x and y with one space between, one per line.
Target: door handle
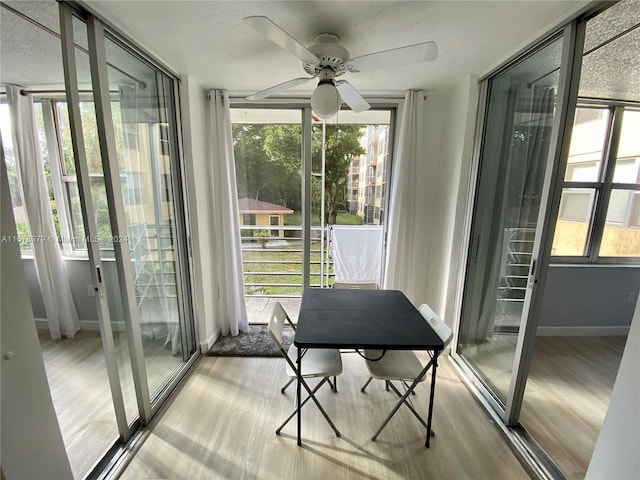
532 272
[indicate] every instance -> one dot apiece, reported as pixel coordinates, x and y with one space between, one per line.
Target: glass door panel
142 103
268 156
356 161
517 133
84 240
348 187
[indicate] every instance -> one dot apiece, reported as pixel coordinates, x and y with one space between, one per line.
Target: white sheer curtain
400 269
232 310
61 311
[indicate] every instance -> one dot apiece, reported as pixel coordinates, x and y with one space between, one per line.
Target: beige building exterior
621 237
265 214
368 176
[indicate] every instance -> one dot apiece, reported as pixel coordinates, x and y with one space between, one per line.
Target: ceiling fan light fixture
325 100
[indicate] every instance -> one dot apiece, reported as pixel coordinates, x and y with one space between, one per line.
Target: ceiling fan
327 59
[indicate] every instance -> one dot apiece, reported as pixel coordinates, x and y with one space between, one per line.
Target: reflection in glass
144 130
520 113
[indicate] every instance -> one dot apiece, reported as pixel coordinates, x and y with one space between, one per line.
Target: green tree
282 144
342 146
268 163
251 160
12 173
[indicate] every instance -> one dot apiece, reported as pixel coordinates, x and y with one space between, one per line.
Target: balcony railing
272 260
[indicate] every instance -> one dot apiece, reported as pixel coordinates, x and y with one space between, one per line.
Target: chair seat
318 362
395 365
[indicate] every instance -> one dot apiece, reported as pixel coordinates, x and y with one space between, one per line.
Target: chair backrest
438 325
276 323
357 286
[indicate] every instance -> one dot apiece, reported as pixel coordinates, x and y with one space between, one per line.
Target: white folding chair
357 286
318 363
403 366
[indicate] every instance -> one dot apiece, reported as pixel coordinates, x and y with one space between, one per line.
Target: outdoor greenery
268 168
286 262
342 218
268 164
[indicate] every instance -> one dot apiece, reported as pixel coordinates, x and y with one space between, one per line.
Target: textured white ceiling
208 39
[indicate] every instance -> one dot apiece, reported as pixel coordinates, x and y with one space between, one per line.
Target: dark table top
374 319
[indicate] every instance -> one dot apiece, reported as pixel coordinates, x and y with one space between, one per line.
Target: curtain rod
24 92
591 50
140 83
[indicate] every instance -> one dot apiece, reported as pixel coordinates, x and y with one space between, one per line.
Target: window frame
71 244
602 188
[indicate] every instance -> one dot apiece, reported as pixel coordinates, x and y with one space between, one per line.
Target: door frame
306 126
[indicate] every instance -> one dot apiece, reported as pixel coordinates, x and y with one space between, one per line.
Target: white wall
616 452
195 120
31 442
448 181
79 275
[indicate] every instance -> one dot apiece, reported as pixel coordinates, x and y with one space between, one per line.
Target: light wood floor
565 402
567 396
221 425
77 376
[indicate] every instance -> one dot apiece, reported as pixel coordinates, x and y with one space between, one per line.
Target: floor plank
567 395
77 376
564 406
222 422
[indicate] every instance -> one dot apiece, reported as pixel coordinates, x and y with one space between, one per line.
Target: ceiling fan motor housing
330 55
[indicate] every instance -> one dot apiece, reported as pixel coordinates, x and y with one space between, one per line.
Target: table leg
299 409
431 397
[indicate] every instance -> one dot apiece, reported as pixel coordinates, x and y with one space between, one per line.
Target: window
140 182
69 180
19 210
599 214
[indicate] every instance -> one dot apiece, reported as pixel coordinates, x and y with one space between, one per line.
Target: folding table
364 319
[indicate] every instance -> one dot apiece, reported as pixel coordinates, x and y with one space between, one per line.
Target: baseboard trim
616 330
207 344
43 324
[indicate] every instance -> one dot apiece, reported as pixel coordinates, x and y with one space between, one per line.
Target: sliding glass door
143 118
269 168
120 178
522 121
292 192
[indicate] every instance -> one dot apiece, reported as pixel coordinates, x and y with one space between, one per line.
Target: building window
249 219
599 214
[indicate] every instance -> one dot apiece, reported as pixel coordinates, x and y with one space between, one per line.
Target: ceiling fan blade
279 88
418 53
351 97
278 36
